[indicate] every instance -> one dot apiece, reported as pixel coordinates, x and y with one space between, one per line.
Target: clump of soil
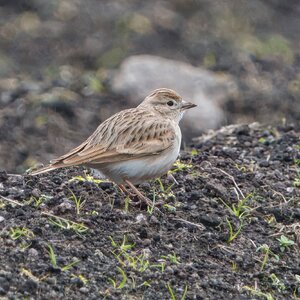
229 227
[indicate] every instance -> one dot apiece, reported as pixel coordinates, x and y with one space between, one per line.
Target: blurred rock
139 75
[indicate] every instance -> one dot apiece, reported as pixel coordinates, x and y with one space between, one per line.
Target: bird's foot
141 199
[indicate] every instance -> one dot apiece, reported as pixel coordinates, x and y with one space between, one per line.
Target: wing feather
130 133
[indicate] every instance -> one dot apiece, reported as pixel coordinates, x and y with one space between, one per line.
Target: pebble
36 193
210 220
33 252
264 163
65 206
84 290
1 219
146 242
154 220
169 270
141 218
51 280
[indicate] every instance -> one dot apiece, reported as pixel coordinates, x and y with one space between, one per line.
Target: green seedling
169 207
81 278
241 209
262 140
267 253
285 243
38 201
276 282
123 281
78 202
172 294
87 178
171 257
126 203
296 181
122 247
258 293
53 260
127 259
297 288
18 232
150 208
70 265
160 266
179 166
166 192
145 283
138 263
52 256
63 223
246 168
29 274
232 234
194 152
234 266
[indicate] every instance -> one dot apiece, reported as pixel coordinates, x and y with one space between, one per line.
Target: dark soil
182 246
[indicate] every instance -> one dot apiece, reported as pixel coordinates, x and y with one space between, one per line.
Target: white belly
142 169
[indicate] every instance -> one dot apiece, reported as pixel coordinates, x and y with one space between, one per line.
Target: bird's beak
187 105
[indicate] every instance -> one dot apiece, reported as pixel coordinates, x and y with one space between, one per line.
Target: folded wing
126 135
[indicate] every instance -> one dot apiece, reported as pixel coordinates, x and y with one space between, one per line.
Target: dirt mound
229 228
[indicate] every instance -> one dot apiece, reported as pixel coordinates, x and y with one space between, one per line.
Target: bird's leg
141 197
125 191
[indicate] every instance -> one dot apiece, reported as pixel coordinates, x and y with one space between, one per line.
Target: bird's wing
126 135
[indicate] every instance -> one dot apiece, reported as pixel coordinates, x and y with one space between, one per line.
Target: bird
133 145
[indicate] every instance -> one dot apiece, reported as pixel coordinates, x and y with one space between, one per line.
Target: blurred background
66 65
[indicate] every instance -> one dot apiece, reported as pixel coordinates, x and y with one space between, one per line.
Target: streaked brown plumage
133 145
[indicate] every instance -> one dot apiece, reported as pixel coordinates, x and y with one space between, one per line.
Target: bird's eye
170 103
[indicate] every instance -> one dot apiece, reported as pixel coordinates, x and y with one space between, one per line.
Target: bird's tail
44 170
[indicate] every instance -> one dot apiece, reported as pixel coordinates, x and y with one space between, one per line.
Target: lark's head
167 102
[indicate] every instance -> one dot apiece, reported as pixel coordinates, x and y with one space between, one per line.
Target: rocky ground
229 227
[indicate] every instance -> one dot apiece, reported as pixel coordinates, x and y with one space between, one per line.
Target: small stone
154 220
146 242
1 219
65 206
141 218
169 270
264 163
33 252
210 220
84 290
36 193
51 280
